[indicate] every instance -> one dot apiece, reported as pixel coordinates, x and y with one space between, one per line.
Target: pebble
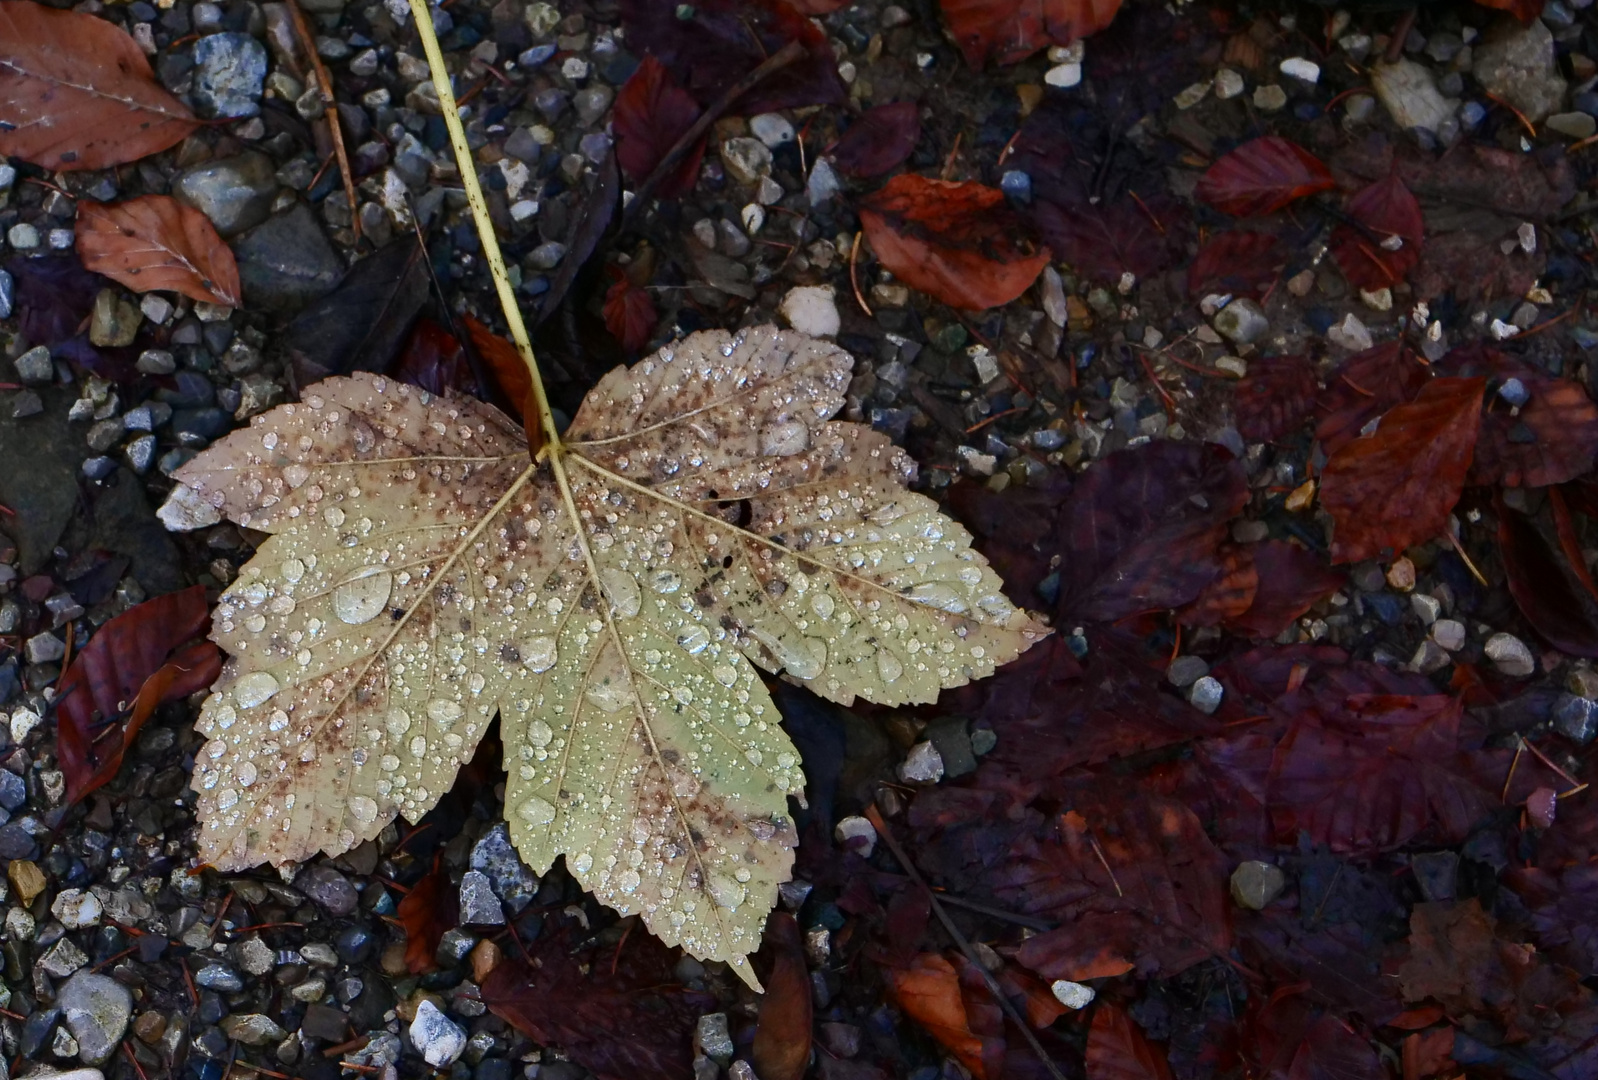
771 129
922 765
1063 76
1271 98
1186 670
186 510
746 159
8 294
63 958
23 237
1255 884
1437 874
44 648
1228 84
1242 322
218 977
34 367
1350 334
479 906
1576 718
1192 95
229 72
1299 68
1073 995
328 889
546 256
438 1038
97 1009
1573 125
1449 633
1510 655
856 834
591 103
812 310
287 261
1410 95
713 1037
1514 392
495 856
253 1029
76 909
1426 608
235 193
1516 63
823 184
1205 694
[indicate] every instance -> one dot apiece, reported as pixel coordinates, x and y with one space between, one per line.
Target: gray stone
76 909
1510 655
229 71
64 957
99 467
1574 125
156 362
591 103
235 193
254 955
495 856
746 159
1429 657
546 256
105 434
114 321
13 790
96 1009
438 1038
772 129
823 184
478 904
1255 884
8 294
219 977
454 946
1206 694
1410 96
1449 633
328 889
949 735
35 367
1242 322
287 261
922 765
44 648
1350 334
1576 718
714 1038
253 1029
1186 670
1516 63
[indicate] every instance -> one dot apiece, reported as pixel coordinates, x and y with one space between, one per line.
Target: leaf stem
485 227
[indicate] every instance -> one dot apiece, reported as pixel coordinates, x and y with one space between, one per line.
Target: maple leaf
610 598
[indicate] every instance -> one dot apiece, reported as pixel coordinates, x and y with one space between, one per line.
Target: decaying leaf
76 92
155 242
1012 30
1262 176
611 600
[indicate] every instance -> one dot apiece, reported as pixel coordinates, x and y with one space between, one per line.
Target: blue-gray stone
97 1009
218 977
229 70
1514 392
13 791
8 294
495 857
1576 718
1017 185
235 193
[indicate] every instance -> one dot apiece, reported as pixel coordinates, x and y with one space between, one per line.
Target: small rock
1437 874
329 889
856 834
35 367
1401 575
591 103
1511 655
1449 633
1242 321
1573 125
478 904
44 648
1576 718
1192 95
156 362
186 509
1514 392
713 1037
287 261
1186 670
439 1039
1429 657
253 1029
1255 884
1426 608
63 958
23 237
1350 334
1228 84
229 72
823 184
236 193
495 856
218 977
546 256
746 159
76 909
1299 68
1073 995
1271 98
254 955
1516 63
114 321
1410 95
922 765
812 310
1206 693
771 129
8 294
1063 76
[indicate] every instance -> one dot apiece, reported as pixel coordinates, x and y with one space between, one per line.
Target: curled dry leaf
155 242
611 600
958 243
1009 31
1262 176
1395 488
76 92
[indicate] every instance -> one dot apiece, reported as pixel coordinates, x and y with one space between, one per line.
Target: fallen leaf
434 361
1294 1041
617 1010
1429 1053
958 243
1454 958
629 313
1111 237
929 992
426 914
1384 241
636 632
1395 488
1118 1050
1262 176
55 294
503 360
1229 594
1364 387
155 242
1343 966
781 1049
1276 395
1524 10
132 664
1290 579
1545 585
1240 263
77 92
879 141
1009 31
1563 906
650 115
363 322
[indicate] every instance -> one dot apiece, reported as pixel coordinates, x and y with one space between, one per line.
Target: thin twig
1459 550
854 281
965 946
1520 748
324 86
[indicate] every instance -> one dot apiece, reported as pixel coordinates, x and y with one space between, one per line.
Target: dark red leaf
1332 1050
1549 440
1396 487
1274 397
879 141
724 40
958 243
1229 594
1262 176
782 1034
1429 1053
1111 237
1009 31
1563 906
434 360
1344 966
1141 530
1290 580
426 914
503 361
651 114
54 296
1240 262
1014 529
1387 215
629 314
618 1010
1364 387
1118 1050
99 697
1524 10
1546 587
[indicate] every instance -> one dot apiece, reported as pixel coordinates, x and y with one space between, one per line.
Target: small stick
1460 551
1520 748
128 1050
854 280
1094 840
66 657
974 428
1540 756
965 946
324 85
948 162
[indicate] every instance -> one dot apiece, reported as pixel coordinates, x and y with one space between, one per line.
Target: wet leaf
1290 580
1229 594
1524 10
422 574
434 361
1009 31
1118 1050
1108 238
1395 488
651 114
1274 397
1262 176
155 242
1387 243
1546 587
1240 263
958 243
879 141
503 361
76 92
630 313
929 992
132 664
782 1034
362 323
427 913
55 295
617 1010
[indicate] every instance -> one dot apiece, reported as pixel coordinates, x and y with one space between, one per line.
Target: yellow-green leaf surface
610 601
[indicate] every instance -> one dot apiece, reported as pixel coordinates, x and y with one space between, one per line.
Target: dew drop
476 683
333 516
538 653
418 747
444 712
621 589
611 697
628 881
889 666
971 575
583 863
725 674
295 475
225 715
363 809
360 598
246 773
937 594
683 695
255 623
822 605
540 733
255 688
388 763
652 657
694 639
665 581
226 799
725 890
292 570
398 722
755 757
536 811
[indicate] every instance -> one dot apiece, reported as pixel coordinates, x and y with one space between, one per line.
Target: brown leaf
1118 1050
1386 243
1262 176
1289 580
782 1034
155 242
1395 488
929 992
504 360
1009 31
1275 396
652 112
878 141
427 913
629 313
1230 594
958 243
76 92
1364 387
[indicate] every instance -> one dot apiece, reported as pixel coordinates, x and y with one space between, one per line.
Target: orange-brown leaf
1009 31
958 243
1395 488
76 92
155 242
929 992
782 1036
1118 1050
427 913
502 359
